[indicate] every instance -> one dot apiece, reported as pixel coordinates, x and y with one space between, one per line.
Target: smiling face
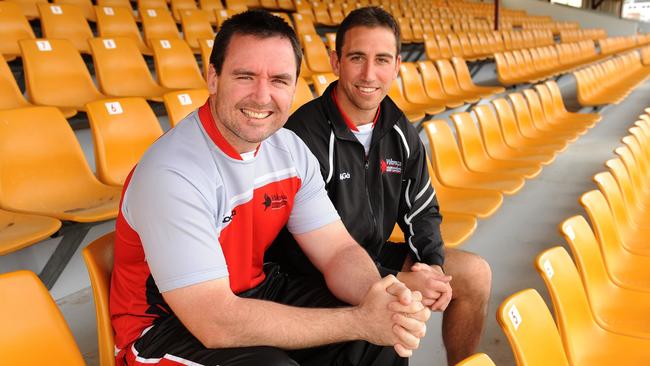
366 69
251 98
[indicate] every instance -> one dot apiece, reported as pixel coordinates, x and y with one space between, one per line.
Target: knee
471 277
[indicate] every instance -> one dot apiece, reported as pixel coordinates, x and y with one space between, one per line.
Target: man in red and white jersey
189 284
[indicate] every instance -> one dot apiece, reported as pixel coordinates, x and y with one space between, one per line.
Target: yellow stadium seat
615 308
211 6
414 89
528 128
625 268
18 230
122 129
476 157
465 80
551 98
86 7
434 89
121 71
452 172
302 96
196 27
634 238
303 24
65 22
512 133
176 66
450 81
98 256
10 95
479 359
636 209
113 3
45 172
222 15
205 45
455 229
34 331
322 81
236 6
543 123
178 7
530 329
157 23
30 7
13 28
118 21
180 103
495 143
316 55
413 111
49 64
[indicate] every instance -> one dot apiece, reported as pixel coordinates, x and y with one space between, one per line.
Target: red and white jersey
193 210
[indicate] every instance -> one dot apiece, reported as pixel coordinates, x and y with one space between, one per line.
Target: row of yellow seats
513 142
480 45
428 88
577 35
610 82
601 300
56 75
529 65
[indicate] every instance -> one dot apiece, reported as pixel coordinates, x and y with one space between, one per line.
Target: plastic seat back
18 230
120 69
620 173
176 66
205 45
180 103
34 331
49 64
179 7
413 88
65 22
122 129
529 327
601 218
196 27
448 77
43 169
572 309
302 96
118 21
316 54
157 23
98 256
479 359
10 95
13 27
211 6
86 7
322 81
29 7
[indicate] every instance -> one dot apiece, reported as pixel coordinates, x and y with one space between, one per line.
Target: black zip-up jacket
372 193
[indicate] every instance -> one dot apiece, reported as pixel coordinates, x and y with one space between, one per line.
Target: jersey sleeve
312 207
177 228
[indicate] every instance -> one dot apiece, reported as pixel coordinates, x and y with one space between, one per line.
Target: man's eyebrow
359 53
284 76
243 72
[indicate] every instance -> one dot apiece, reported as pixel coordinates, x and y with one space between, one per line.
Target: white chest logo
344 176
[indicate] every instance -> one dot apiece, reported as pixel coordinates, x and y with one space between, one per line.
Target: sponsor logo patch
390 166
275 201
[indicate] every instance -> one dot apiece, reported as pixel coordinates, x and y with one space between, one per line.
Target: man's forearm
253 322
350 273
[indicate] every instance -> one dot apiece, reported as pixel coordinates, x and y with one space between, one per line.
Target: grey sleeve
177 228
312 207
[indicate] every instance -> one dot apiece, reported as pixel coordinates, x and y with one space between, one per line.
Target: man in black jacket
374 166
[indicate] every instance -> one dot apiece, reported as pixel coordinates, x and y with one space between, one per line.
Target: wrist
356 321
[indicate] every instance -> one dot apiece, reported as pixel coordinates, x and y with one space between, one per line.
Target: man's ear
335 62
212 80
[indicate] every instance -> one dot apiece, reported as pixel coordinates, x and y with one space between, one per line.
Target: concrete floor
525 225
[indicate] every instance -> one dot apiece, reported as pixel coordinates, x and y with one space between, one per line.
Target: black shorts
168 342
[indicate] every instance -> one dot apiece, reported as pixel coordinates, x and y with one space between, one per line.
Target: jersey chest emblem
390 166
275 201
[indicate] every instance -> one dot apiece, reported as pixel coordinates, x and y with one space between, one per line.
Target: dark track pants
168 342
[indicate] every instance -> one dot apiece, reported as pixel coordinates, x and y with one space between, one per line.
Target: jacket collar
389 115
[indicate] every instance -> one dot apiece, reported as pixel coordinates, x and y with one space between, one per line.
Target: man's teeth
257 115
367 90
